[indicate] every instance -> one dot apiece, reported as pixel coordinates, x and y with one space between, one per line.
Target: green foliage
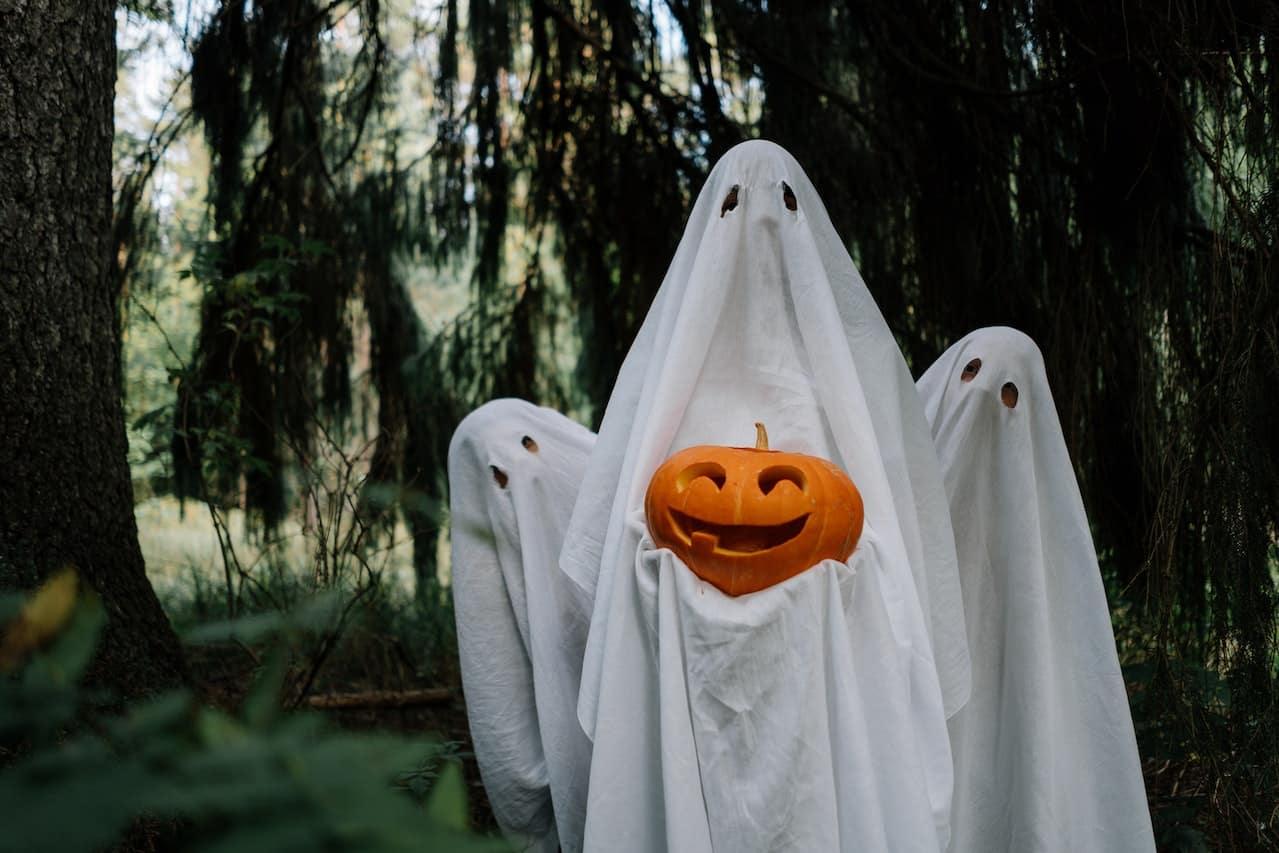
381 637
1103 178
1186 728
260 83
305 617
155 10
78 776
212 447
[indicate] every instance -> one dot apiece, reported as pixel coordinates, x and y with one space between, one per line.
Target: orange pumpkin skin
745 519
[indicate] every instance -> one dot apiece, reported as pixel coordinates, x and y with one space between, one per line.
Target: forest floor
225 673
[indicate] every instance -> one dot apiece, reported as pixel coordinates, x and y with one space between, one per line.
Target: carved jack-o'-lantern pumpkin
744 518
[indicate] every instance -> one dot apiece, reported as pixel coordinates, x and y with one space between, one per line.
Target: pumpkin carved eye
1008 395
770 477
970 370
730 201
788 197
712 471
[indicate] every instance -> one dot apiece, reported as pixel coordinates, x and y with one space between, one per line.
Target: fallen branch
380 699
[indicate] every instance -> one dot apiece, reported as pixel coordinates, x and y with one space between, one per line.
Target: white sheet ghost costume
514 470
1045 756
809 716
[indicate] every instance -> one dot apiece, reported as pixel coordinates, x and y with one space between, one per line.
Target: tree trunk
65 490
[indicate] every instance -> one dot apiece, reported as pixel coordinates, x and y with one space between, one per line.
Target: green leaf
317 614
10 605
447 804
249 629
34 711
82 808
315 248
146 719
276 243
262 705
268 834
216 729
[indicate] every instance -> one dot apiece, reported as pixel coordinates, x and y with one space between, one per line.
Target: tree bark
65 490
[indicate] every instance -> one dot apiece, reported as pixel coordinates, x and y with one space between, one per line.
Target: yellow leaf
42 617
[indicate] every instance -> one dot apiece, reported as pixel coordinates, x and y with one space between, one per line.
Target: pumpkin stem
761 436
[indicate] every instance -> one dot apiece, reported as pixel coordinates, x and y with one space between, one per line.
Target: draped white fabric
1045 756
763 317
785 720
514 470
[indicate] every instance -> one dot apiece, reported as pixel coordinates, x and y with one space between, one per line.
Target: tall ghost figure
1045 756
514 469
809 715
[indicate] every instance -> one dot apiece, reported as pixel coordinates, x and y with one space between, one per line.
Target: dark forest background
349 222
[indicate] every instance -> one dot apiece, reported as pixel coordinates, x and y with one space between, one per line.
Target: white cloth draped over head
514 470
1045 755
763 317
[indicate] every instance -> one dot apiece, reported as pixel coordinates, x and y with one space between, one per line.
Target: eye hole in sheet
529 444
788 197
970 370
499 476
730 201
1008 395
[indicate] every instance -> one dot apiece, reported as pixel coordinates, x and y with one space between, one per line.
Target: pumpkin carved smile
745 519
706 536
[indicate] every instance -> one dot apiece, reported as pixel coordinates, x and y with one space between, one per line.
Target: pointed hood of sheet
762 316
514 469
1045 755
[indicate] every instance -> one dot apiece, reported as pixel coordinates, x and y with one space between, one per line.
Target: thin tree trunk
65 490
